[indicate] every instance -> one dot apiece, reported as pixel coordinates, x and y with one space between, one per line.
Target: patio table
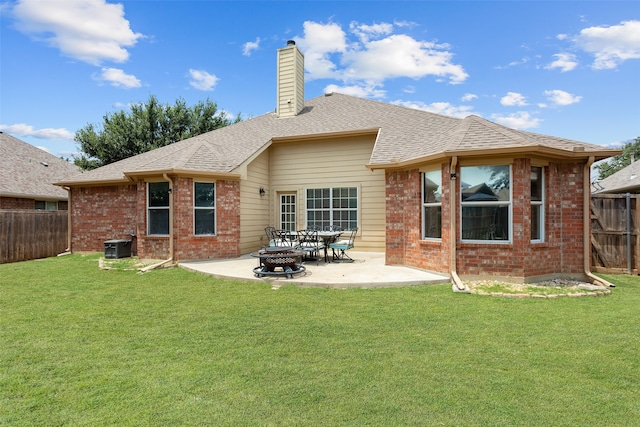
328 237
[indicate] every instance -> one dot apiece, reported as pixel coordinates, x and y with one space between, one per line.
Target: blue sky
569 68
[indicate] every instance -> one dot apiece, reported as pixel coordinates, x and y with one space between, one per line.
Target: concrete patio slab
367 271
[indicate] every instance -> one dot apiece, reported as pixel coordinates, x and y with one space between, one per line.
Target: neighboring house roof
626 180
29 172
404 136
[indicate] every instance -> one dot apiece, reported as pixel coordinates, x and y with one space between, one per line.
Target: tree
144 127
630 153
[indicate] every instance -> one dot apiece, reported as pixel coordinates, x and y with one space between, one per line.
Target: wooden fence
615 234
26 235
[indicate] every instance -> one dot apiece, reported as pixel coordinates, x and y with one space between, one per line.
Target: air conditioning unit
117 249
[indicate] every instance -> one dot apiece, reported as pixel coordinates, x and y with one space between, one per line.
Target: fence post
628 232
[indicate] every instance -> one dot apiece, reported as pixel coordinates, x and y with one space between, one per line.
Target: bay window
537 204
432 205
486 202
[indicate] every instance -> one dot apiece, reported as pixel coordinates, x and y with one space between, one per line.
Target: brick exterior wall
102 213
112 212
560 253
17 203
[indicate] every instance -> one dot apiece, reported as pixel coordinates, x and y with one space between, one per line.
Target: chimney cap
291 42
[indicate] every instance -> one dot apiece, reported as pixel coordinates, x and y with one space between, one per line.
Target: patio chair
310 243
272 237
286 238
342 246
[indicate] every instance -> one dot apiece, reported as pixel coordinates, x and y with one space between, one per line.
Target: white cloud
118 78
445 108
468 97
91 31
202 80
560 97
365 32
512 99
249 47
319 42
514 63
375 54
564 61
402 56
22 129
610 46
519 120
361 91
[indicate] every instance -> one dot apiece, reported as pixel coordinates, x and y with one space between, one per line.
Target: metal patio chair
342 246
310 243
272 237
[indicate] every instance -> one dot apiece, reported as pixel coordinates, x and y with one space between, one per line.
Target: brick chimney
290 84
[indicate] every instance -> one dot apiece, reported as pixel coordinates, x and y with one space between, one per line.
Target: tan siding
335 162
290 84
254 208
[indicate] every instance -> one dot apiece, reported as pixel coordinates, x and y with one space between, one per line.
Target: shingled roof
29 172
404 136
626 180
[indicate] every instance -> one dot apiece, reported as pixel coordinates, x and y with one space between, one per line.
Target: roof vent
291 42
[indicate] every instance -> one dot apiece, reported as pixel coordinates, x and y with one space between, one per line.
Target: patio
368 271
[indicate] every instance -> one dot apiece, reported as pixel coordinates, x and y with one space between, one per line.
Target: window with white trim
204 208
158 208
486 202
337 206
288 209
432 205
537 204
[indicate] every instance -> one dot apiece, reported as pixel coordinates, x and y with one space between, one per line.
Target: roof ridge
458 132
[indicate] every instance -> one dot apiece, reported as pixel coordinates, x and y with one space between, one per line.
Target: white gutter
457 285
586 225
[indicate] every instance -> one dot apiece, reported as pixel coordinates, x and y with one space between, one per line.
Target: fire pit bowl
279 261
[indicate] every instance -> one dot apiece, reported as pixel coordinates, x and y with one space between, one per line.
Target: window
332 207
204 208
288 212
158 209
432 205
537 204
486 202
43 205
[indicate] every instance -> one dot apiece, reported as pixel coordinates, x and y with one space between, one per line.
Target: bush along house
467 197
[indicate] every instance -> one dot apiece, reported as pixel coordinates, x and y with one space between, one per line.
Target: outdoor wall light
262 191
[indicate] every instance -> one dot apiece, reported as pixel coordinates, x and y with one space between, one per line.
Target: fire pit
279 261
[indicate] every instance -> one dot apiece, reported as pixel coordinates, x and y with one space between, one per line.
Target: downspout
586 225
68 250
171 249
457 285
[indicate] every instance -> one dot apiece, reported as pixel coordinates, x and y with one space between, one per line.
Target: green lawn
89 347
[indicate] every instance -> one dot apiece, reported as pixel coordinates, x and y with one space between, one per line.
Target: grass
82 346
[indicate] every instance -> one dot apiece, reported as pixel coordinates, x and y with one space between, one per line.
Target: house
626 180
27 174
393 172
